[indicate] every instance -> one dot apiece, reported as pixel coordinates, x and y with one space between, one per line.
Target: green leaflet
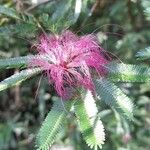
90 124
143 54
128 73
18 78
52 124
10 12
113 96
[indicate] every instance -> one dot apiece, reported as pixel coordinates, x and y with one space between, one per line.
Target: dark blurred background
122 27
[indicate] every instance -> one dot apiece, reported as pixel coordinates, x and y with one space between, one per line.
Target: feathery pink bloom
69 59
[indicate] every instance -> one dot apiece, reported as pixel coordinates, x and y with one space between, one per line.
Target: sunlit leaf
90 124
128 73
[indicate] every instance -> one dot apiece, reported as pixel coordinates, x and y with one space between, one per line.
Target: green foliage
143 54
27 23
21 29
61 18
90 124
18 78
113 96
122 31
52 124
128 73
10 12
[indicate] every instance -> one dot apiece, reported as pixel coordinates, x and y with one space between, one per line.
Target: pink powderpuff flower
69 61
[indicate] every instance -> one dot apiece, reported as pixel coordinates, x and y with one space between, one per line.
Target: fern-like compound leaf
89 122
15 62
52 124
19 62
18 78
113 96
143 54
128 73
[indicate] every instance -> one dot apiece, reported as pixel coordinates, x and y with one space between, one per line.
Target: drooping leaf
18 78
52 124
143 54
128 73
10 12
113 96
90 124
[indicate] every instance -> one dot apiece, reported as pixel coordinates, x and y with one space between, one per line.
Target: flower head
68 60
